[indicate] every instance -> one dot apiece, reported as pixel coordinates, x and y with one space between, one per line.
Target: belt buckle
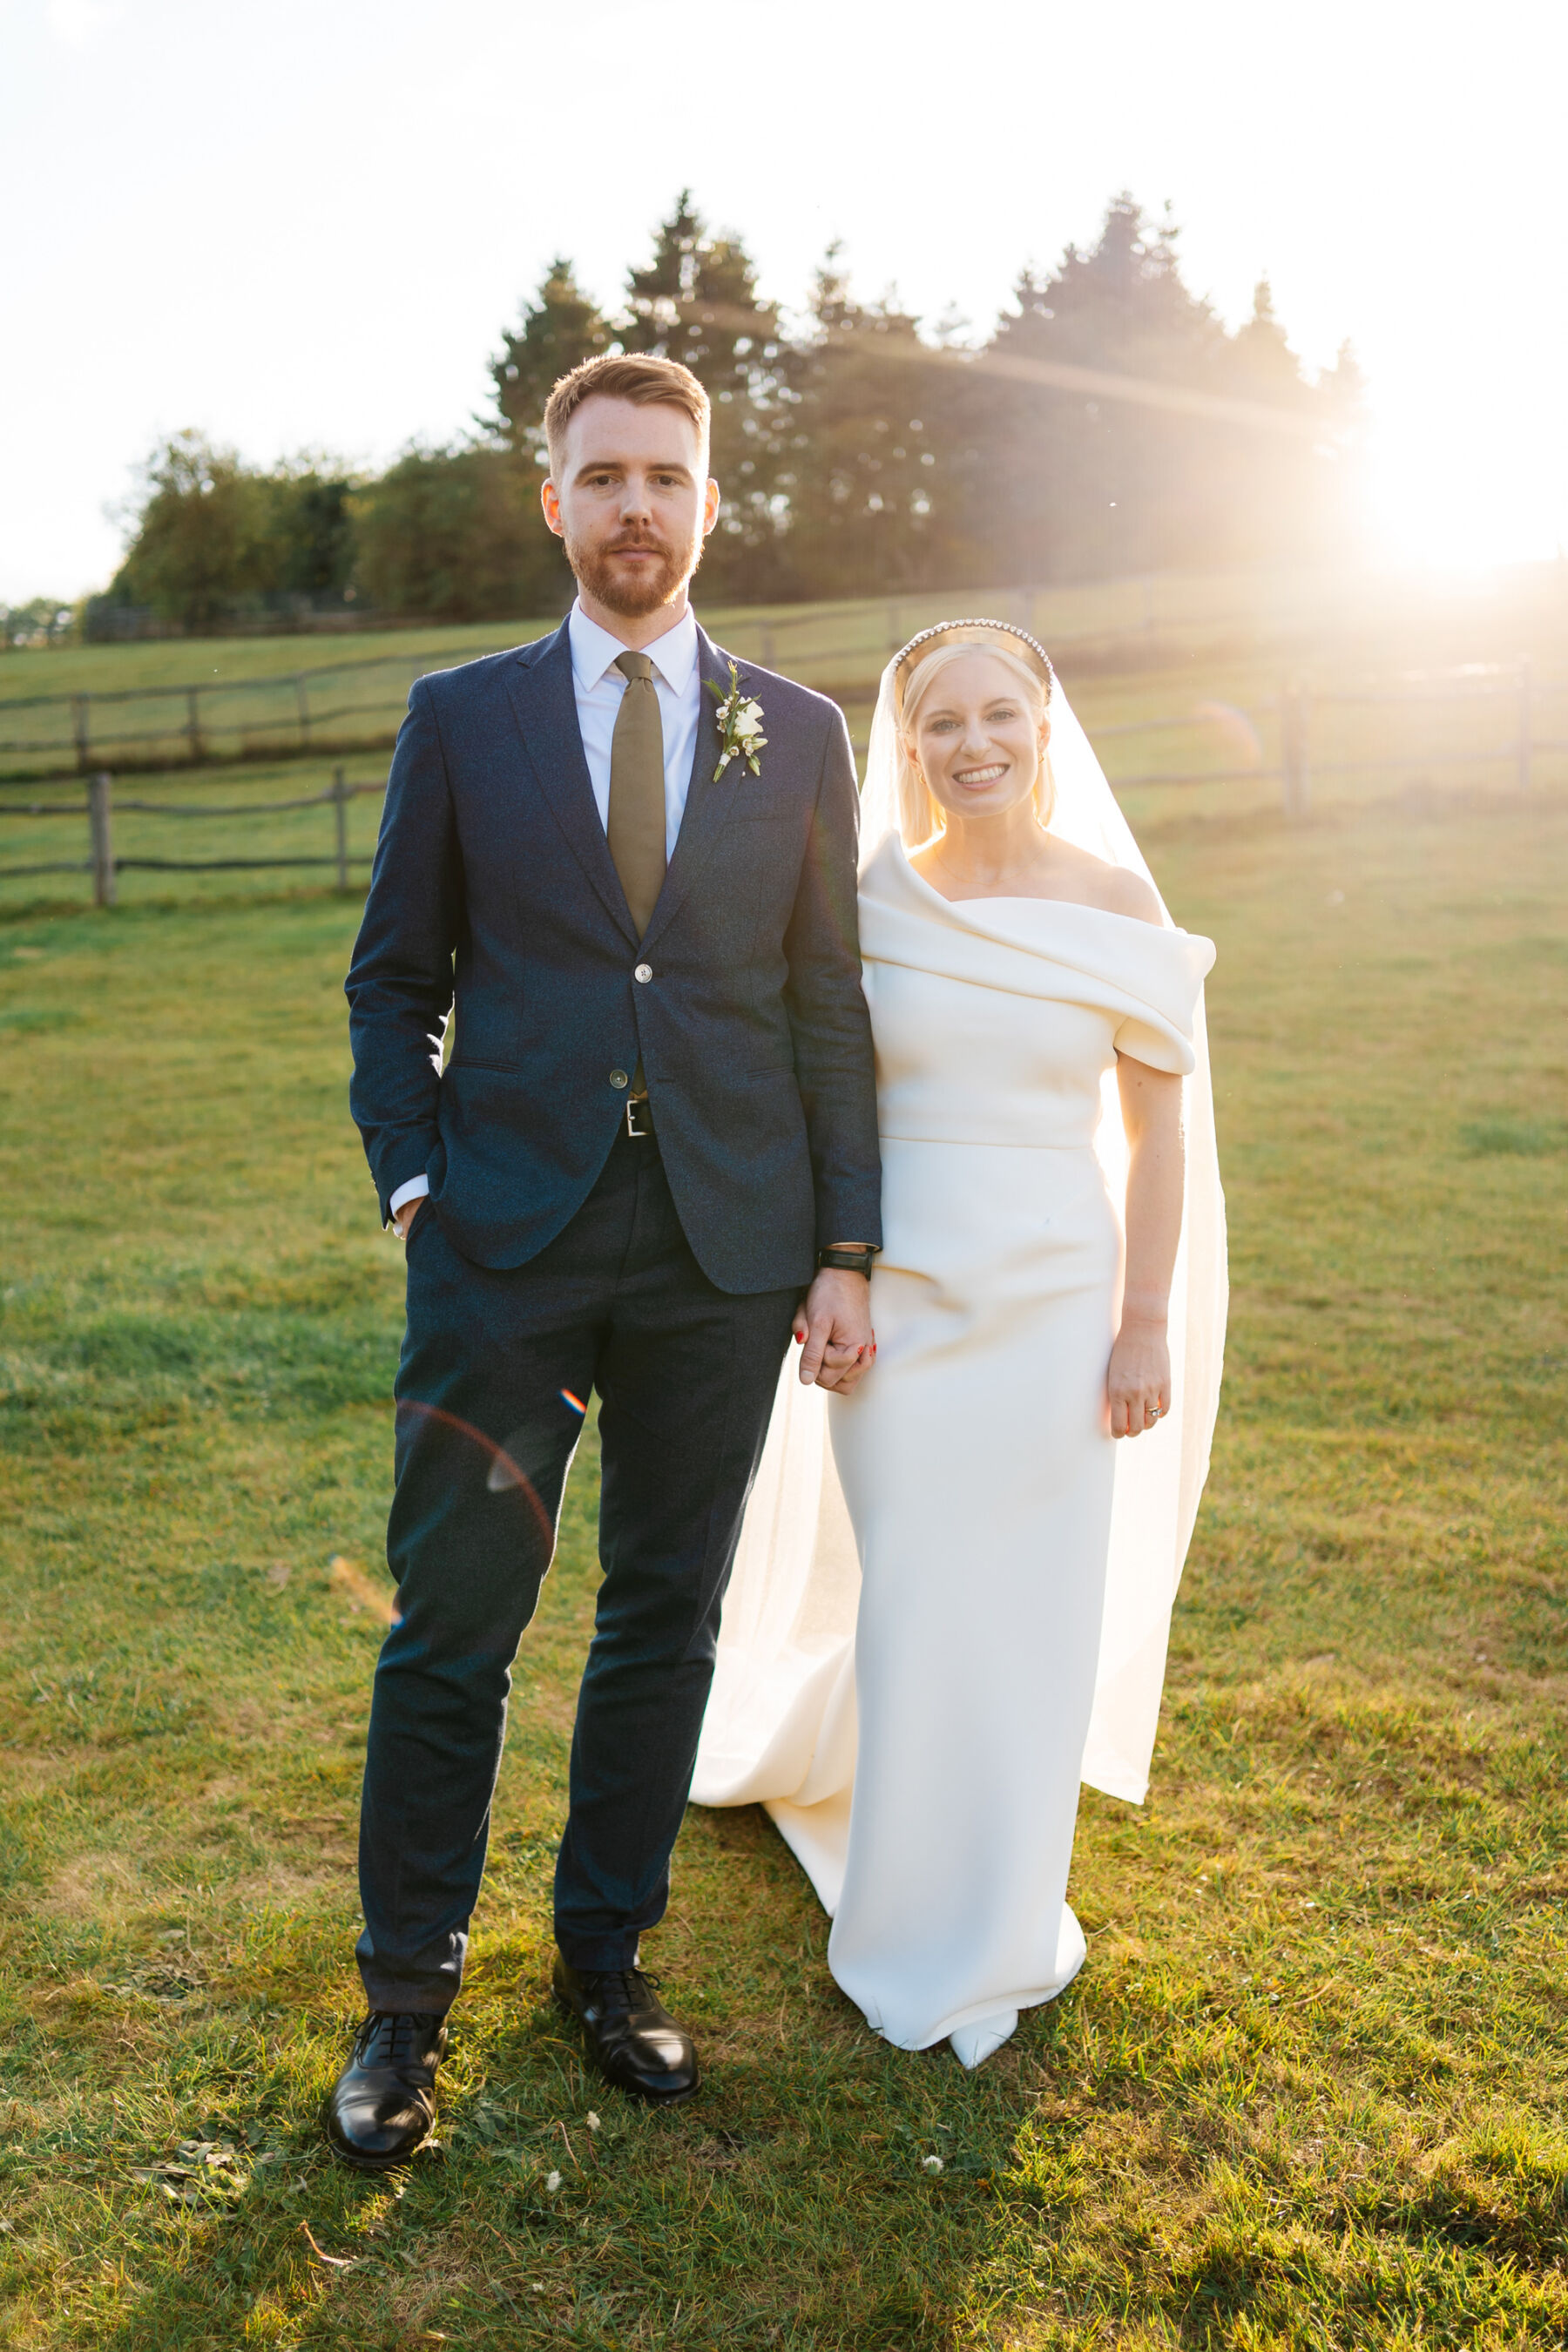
638 1124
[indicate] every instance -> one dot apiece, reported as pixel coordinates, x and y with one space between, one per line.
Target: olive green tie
636 826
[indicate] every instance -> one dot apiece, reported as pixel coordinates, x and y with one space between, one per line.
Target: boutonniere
741 733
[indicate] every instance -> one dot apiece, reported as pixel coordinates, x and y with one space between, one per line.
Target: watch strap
847 1259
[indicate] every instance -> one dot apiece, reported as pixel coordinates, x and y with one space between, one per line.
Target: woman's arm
1138 1384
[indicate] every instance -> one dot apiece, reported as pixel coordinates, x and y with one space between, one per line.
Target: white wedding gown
919 1729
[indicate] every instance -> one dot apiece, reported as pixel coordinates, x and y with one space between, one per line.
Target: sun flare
1452 492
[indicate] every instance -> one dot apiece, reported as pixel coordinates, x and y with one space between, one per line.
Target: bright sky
304 224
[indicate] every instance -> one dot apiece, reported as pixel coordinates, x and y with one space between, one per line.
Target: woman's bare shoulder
1130 895
1114 890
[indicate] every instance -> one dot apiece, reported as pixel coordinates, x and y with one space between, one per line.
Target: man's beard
635 594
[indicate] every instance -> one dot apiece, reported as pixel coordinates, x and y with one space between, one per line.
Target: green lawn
1309 2090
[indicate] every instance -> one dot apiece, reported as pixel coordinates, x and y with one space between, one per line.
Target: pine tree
1260 360
875 430
1077 486
697 301
558 330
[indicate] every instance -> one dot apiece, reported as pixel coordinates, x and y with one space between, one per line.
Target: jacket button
642 971
618 1078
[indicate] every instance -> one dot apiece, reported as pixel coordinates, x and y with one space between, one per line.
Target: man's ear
552 505
710 507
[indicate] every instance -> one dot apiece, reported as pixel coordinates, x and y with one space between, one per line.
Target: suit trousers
496 1367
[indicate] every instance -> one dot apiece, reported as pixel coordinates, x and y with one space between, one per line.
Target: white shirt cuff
414 1189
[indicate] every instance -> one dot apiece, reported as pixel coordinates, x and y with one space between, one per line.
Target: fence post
1525 727
80 723
1286 746
193 727
1293 749
341 826
98 816
767 644
304 712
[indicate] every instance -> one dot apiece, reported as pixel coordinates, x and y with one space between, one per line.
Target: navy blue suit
557 1253
492 863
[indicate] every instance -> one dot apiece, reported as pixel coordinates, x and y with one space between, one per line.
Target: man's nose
635 498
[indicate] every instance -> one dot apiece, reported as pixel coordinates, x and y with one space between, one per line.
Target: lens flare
510 1468
348 1577
575 1402
1235 729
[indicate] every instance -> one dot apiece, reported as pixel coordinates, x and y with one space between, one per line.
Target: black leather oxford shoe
383 2104
631 2036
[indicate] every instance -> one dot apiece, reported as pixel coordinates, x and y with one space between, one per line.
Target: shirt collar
594 651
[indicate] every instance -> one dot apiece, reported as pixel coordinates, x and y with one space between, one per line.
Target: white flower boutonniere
741 733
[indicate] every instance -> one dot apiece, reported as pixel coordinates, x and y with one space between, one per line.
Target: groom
652 1151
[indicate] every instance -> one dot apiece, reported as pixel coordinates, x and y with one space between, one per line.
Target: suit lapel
707 801
546 707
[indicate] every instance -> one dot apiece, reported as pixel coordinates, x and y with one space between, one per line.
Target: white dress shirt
597 687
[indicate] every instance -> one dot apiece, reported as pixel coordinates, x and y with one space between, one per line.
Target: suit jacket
494 894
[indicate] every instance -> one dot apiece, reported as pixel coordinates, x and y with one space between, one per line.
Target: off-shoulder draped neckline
901 858
903 891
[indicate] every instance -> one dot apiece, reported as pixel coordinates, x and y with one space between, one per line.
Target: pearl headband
953 631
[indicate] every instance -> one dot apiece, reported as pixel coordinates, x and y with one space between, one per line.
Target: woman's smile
978 742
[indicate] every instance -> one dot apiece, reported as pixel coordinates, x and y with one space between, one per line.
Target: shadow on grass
793 2203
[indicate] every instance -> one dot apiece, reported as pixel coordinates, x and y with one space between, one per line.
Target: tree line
857 451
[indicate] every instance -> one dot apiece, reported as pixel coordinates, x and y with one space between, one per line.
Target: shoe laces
627 1982
396 2037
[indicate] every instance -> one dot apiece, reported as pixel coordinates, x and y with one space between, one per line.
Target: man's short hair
623 375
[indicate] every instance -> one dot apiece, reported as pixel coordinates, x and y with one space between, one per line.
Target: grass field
1309 2090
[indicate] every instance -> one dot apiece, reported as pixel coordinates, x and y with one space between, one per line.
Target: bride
942 1622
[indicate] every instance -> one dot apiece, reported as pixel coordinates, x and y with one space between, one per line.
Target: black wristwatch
849 1257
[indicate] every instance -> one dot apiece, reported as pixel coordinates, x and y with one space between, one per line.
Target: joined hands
833 1329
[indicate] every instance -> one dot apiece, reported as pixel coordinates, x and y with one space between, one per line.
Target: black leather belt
640 1116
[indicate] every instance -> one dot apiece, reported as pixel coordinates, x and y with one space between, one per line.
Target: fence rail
104 865
284 712
1297 721
297 712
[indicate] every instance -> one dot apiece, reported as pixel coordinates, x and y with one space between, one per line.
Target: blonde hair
920 814
636 376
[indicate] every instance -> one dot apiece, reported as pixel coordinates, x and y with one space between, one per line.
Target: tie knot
634 666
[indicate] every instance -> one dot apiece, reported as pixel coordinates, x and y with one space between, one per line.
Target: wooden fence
344 707
104 865
1308 733
355 705
337 707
